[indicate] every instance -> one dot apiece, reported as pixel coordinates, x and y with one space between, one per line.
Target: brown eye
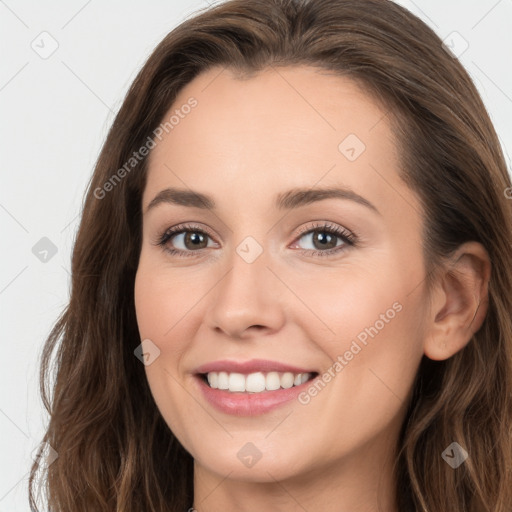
184 240
323 240
326 239
189 240
194 240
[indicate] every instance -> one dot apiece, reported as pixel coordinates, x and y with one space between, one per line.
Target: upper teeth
255 382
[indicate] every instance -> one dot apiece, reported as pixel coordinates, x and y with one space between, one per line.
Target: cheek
161 303
368 323
374 355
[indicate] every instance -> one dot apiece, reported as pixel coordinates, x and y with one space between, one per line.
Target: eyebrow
292 199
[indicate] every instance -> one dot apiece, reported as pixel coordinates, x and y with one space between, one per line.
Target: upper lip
251 366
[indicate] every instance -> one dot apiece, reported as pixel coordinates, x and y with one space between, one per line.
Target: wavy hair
115 452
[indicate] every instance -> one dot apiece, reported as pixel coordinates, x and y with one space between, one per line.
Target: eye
325 238
188 238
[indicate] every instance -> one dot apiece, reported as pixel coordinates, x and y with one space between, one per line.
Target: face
260 287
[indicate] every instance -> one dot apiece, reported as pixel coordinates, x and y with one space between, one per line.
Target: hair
115 451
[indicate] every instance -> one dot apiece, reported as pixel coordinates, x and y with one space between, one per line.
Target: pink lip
248 404
251 366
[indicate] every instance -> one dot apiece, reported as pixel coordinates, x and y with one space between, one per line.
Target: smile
252 387
257 382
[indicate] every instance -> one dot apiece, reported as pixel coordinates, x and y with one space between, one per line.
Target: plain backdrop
65 68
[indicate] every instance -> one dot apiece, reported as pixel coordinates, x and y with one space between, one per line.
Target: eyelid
168 233
330 227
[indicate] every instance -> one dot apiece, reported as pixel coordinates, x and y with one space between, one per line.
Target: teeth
223 382
255 382
236 382
273 381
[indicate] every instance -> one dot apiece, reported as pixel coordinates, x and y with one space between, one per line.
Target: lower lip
249 404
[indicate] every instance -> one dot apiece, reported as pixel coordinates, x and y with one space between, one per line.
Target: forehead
281 127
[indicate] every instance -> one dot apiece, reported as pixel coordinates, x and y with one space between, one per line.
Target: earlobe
460 302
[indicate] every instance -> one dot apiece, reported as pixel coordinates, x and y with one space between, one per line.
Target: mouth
251 388
257 382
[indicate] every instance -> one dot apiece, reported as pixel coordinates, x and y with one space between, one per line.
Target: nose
247 299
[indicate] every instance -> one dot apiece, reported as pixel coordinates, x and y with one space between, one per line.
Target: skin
245 142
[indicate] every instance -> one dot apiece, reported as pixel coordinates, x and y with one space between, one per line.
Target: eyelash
349 239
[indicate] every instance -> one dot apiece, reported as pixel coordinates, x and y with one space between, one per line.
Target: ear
459 303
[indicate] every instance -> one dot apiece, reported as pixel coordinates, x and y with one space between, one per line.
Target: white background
55 114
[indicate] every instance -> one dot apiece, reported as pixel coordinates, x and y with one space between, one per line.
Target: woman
291 281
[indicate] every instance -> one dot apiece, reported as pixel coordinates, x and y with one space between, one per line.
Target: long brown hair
115 452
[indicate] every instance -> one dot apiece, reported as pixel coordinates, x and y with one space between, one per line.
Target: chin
248 462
